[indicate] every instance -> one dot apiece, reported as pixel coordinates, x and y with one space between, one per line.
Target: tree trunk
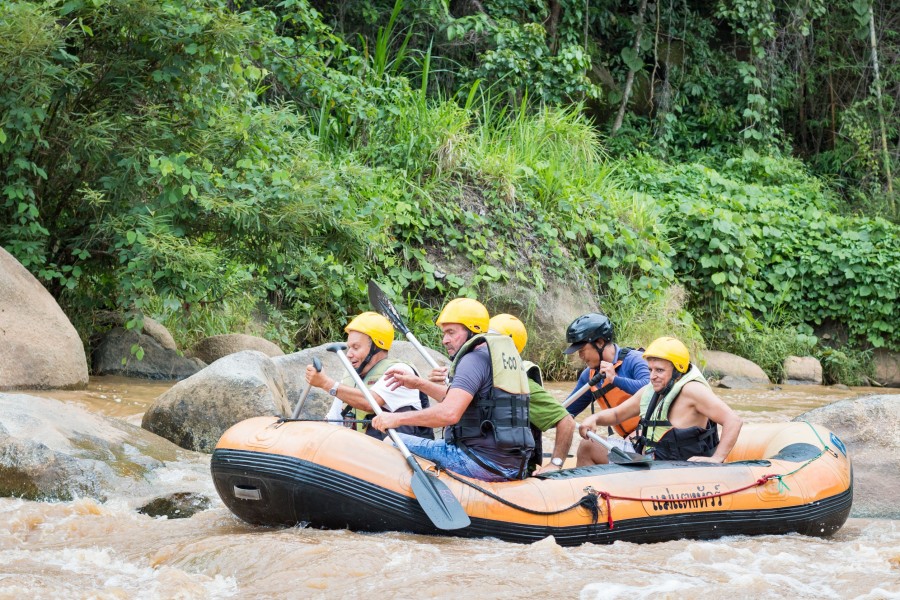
629 80
553 25
884 148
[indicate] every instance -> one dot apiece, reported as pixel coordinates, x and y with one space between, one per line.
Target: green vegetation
249 165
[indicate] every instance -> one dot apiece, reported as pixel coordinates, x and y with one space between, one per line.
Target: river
85 549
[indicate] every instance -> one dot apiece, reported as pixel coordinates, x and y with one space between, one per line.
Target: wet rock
150 327
733 382
887 368
546 313
39 347
213 348
181 505
568 298
719 365
50 450
293 370
113 356
870 429
802 370
195 412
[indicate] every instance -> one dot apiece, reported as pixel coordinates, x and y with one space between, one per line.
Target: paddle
318 366
382 304
597 378
619 456
433 495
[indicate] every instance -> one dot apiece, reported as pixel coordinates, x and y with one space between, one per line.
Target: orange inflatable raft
779 478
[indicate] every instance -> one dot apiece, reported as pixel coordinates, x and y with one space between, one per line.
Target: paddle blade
381 303
437 500
620 457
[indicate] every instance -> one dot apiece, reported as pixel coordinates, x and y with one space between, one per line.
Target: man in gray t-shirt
460 320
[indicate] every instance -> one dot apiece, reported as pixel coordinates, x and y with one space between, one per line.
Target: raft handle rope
782 486
591 500
588 501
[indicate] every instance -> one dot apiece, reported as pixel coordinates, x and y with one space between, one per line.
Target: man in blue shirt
622 372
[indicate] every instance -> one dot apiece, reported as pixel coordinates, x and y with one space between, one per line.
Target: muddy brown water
85 549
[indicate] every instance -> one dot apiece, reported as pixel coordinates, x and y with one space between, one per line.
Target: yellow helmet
511 326
470 313
672 350
375 326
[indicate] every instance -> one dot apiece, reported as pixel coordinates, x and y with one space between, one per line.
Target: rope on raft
588 501
591 500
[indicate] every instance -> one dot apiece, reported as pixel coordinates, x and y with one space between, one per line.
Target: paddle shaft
596 379
380 302
338 349
318 366
434 497
428 358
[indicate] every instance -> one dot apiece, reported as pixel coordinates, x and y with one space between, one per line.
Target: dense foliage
248 165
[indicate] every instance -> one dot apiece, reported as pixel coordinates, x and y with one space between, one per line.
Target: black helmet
586 329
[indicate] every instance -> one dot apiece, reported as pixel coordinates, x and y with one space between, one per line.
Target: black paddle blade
381 303
620 457
436 499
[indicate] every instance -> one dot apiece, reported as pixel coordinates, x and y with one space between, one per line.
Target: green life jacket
537 457
658 435
533 372
370 379
494 429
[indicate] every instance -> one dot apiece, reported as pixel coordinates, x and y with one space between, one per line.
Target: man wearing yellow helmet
544 412
369 338
485 409
678 410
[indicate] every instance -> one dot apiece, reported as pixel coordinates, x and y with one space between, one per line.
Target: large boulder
195 412
39 347
113 356
150 327
802 370
887 368
870 429
50 450
293 370
213 348
719 365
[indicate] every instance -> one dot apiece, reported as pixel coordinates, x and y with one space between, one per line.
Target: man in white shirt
369 338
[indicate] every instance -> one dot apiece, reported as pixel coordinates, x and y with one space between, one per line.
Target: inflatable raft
779 478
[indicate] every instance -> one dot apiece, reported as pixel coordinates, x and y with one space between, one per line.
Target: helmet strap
373 350
600 349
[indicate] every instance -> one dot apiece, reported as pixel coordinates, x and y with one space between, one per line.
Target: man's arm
632 375
351 395
448 412
612 416
565 431
584 400
396 377
712 407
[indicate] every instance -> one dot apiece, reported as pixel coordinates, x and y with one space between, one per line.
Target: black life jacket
495 427
658 436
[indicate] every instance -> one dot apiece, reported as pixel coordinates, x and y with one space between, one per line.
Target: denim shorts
452 458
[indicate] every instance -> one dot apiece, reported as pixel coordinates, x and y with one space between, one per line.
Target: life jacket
370 379
533 372
495 427
657 434
610 395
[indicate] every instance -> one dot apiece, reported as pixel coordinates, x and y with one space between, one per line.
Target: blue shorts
452 458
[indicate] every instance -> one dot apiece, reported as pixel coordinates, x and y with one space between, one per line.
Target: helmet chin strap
599 349
373 350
